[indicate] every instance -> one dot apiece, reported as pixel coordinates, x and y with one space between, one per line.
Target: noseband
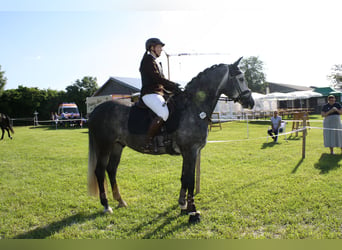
241 95
237 86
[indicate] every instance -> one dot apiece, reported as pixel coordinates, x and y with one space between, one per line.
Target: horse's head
237 88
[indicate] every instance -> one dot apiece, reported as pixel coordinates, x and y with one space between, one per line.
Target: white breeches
155 103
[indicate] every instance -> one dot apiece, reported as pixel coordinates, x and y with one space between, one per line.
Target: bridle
236 85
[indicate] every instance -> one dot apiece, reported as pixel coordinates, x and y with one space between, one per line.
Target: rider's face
157 50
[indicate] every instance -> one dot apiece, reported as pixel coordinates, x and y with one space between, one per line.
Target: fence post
198 172
304 136
35 119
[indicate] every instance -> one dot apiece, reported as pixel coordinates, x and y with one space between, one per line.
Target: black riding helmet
153 42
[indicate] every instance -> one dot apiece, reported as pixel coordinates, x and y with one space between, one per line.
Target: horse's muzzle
246 100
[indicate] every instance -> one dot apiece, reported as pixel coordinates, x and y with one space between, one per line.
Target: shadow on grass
328 162
272 143
294 138
48 230
260 122
53 127
164 220
268 144
160 225
297 166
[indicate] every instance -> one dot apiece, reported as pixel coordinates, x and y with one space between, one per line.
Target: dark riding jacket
153 80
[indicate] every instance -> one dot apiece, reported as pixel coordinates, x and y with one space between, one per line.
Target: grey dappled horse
108 132
5 125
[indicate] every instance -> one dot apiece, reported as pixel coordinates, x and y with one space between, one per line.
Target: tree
3 80
254 75
335 76
80 90
23 102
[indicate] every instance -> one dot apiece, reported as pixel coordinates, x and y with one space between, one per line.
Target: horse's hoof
184 206
108 210
122 204
195 217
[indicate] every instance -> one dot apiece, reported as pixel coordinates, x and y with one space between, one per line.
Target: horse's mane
200 75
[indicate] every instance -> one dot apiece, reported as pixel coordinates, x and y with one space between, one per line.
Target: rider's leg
154 129
157 104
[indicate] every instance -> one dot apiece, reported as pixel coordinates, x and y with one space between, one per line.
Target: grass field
250 189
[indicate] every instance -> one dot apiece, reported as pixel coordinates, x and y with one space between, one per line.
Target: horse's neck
206 91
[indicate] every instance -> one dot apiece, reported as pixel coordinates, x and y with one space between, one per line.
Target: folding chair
216 124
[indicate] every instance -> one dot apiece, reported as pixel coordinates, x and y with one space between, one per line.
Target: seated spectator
276 126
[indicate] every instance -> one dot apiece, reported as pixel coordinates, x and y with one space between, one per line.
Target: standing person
276 123
154 85
331 113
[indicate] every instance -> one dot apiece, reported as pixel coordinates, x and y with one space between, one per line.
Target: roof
325 91
294 95
119 86
132 82
285 88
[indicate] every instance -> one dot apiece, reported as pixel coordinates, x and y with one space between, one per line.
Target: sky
51 44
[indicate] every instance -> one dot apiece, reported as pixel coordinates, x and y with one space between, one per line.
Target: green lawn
249 189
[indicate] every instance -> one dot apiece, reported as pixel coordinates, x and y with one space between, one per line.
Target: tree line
24 101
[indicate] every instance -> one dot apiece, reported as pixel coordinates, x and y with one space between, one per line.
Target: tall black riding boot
152 131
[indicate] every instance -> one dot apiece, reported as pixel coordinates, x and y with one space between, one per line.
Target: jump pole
304 136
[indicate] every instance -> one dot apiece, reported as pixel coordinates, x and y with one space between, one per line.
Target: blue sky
51 44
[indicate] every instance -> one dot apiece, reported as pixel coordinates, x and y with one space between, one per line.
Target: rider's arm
152 69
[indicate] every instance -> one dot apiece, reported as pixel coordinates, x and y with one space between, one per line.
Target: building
285 88
119 86
296 97
120 89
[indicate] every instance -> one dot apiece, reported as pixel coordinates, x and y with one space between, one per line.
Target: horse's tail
93 187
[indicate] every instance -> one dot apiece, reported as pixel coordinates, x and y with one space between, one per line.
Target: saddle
140 118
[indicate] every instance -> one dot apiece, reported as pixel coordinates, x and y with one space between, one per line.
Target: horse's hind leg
9 135
112 169
100 173
3 132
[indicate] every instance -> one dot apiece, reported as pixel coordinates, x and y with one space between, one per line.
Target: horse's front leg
182 200
188 183
3 132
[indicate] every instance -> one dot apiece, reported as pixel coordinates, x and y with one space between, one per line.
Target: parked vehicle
68 115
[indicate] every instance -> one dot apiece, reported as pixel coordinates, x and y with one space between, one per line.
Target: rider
154 85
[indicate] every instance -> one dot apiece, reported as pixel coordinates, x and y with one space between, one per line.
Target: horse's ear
238 61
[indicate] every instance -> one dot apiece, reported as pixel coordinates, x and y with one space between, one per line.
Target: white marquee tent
263 103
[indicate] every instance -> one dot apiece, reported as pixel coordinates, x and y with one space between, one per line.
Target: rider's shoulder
148 58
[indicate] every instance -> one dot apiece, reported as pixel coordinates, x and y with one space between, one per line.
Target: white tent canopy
306 94
263 103
303 94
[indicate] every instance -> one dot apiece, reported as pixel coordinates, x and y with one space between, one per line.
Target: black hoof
194 218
